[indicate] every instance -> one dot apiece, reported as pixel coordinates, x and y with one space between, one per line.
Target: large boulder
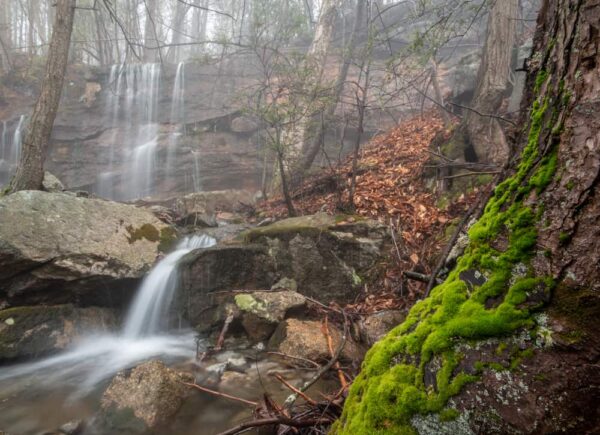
28 332
209 275
57 248
306 339
329 257
145 400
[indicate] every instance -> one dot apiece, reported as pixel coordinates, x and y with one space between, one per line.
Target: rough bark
300 132
483 132
5 36
151 51
30 171
508 343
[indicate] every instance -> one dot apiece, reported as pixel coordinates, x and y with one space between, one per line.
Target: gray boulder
29 332
145 400
57 248
201 208
52 184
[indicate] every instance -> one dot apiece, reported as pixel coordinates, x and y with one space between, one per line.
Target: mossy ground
390 389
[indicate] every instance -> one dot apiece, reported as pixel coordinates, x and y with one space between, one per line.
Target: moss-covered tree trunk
508 343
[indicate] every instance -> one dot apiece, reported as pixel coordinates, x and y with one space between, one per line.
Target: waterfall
177 115
148 313
10 149
132 102
143 336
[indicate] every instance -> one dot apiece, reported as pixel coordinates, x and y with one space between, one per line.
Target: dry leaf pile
390 187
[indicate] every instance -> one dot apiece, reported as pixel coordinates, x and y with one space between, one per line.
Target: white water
143 336
132 104
10 148
151 304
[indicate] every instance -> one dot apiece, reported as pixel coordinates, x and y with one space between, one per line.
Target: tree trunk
483 132
5 36
30 172
177 29
150 36
300 133
511 335
310 152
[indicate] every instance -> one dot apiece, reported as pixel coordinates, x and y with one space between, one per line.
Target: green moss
449 414
564 238
540 79
146 231
168 237
390 389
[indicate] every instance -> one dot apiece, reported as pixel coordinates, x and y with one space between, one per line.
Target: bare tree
30 171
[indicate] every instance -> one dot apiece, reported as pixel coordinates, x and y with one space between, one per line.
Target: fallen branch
219 394
336 365
221 339
416 276
289 401
285 355
295 390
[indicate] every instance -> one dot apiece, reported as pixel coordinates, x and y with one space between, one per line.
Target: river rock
262 311
201 208
57 248
29 332
375 326
145 400
52 184
305 339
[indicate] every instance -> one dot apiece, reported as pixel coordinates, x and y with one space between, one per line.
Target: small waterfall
143 336
148 313
10 148
196 175
177 115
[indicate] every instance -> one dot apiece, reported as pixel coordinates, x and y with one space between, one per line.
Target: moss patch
146 231
168 237
390 389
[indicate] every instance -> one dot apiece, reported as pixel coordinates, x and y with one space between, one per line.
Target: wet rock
327 256
201 208
145 400
375 326
28 332
57 248
52 184
262 311
74 427
305 339
206 273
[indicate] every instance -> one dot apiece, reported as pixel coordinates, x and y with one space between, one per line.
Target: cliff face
191 119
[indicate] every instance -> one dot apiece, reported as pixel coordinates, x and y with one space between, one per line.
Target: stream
42 395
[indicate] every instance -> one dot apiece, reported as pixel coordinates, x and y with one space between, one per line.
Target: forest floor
394 186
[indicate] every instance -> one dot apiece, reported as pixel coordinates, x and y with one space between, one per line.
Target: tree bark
5 36
300 132
485 133
30 171
517 349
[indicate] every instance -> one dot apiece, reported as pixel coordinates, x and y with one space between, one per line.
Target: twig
276 420
219 394
295 390
336 365
285 355
221 339
485 115
416 276
469 174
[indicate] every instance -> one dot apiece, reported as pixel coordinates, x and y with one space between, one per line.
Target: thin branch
219 394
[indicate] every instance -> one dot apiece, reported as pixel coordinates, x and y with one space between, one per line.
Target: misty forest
293 217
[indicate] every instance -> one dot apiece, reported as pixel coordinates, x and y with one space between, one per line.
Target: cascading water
149 310
10 148
132 102
144 334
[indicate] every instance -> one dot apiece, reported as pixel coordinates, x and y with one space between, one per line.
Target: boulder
28 332
375 326
57 248
206 273
52 184
328 257
201 208
262 311
145 400
305 339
